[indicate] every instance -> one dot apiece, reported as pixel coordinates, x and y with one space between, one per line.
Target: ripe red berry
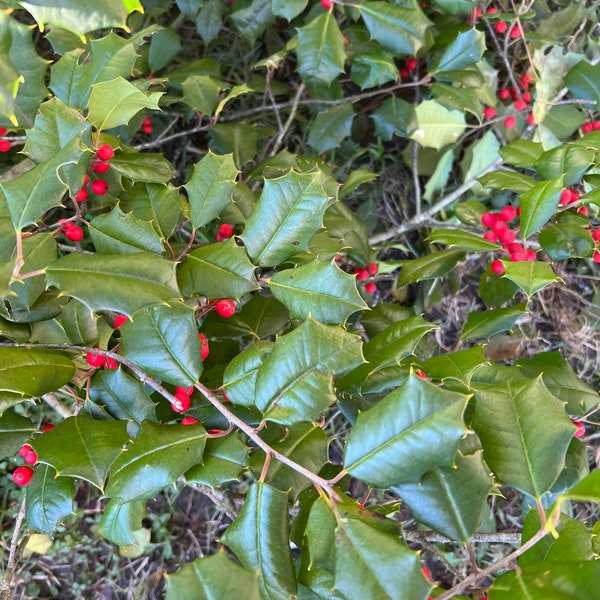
225 308
3 131
4 145
370 288
525 80
508 213
596 235
566 197
510 122
421 374
119 320
372 269
499 227
580 431
489 112
81 195
530 255
48 427
225 231
74 233
520 104
147 126
504 94
583 210
100 167
105 152
596 257
99 187
182 404
412 64
490 236
508 236
587 128
510 248
204 349
31 457
326 4
22 475
497 267
188 421
111 363
530 119
595 125
361 274
95 360
500 27
25 448
526 96
488 219
188 391
515 32
518 256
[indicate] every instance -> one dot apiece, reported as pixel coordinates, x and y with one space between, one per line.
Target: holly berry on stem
99 187
25 448
225 308
326 4
489 112
224 232
188 421
100 167
4 145
73 233
182 403
31 457
119 320
204 349
111 363
370 288
508 213
22 475
81 195
497 267
147 126
105 152
500 27
95 360
510 122
580 431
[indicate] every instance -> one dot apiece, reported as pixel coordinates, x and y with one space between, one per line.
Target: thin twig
500 537
288 123
54 402
12 555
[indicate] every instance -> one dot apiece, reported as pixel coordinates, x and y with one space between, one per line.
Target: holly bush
200 284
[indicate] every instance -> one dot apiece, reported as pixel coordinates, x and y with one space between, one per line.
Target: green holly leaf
80 324
211 187
437 126
251 21
431 266
522 153
507 180
220 270
568 161
582 81
414 429
155 460
48 500
259 538
82 447
400 30
210 20
530 276
461 239
295 383
120 521
318 289
373 69
124 283
490 322
143 167
395 117
33 371
330 128
521 453
31 194
83 16
450 500
55 127
116 102
539 204
117 232
163 341
466 50
215 576
15 430
288 9
121 396
458 366
223 461
320 50
201 92
566 240
364 558
287 215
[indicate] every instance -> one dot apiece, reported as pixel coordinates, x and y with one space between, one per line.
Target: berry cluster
96 361
99 166
366 272
521 99
22 475
4 144
72 232
147 126
500 231
183 397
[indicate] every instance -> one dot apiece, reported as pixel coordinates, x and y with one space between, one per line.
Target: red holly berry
48 427
583 210
488 219
224 232
370 288
182 403
188 421
412 64
508 236
372 269
530 255
25 448
526 96
508 213
511 248
326 4
587 127
525 80
596 256
31 457
119 320
510 122
225 308
500 27
81 195
4 145
530 119
111 363
99 187
204 349
3 131
515 32
499 227
595 125
504 94
100 167
497 267
105 152
489 112
22 475
95 360
580 431
188 391
596 235
421 374
490 236
566 197
361 274
518 256
74 233
520 104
